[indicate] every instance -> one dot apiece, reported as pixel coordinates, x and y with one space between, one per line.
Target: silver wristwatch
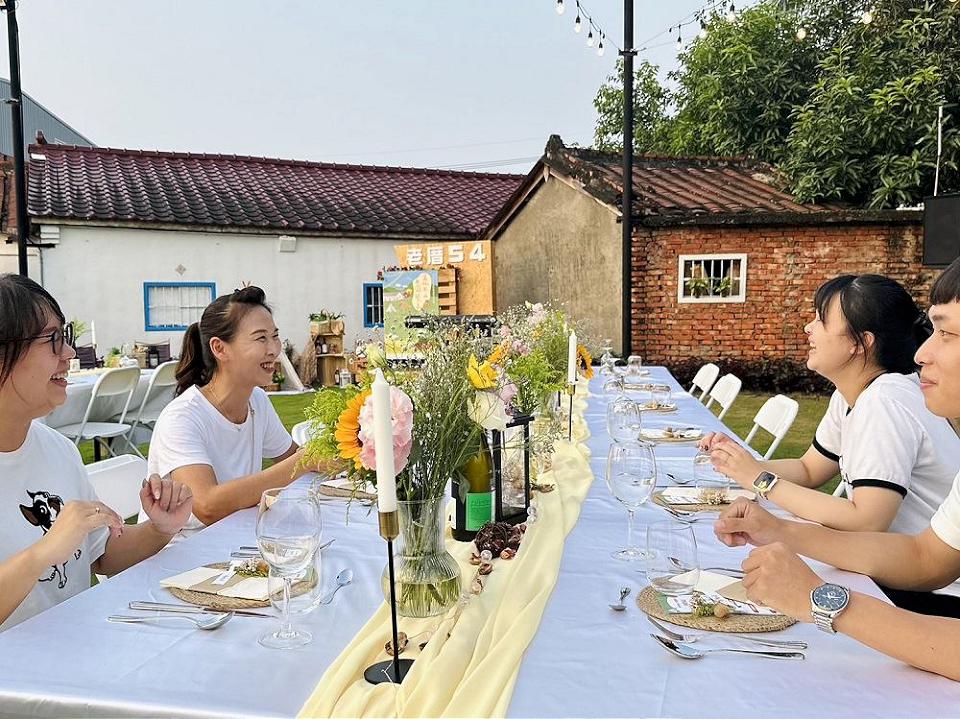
827 602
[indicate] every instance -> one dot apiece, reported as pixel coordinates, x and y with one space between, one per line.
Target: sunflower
348 429
481 376
499 354
584 361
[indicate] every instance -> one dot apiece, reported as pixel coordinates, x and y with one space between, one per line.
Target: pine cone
493 536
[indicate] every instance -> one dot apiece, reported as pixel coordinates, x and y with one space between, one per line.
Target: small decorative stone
475 559
485 569
532 514
486 555
508 553
401 639
476 586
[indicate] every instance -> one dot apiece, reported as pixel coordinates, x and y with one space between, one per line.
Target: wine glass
631 477
310 580
672 565
623 420
288 532
659 396
613 387
634 366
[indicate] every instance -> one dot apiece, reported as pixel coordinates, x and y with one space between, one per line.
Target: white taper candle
383 441
572 359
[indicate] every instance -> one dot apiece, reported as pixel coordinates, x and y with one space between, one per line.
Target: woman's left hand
735 462
168 504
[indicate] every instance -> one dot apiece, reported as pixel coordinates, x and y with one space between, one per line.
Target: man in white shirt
777 577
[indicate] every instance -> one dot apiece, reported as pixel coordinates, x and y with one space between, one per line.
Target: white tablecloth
79 390
585 660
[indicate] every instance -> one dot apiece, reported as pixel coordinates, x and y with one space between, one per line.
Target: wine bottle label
479 509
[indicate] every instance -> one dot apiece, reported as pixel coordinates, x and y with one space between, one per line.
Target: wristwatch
764 482
827 602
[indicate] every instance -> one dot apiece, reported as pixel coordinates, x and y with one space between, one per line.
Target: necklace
218 403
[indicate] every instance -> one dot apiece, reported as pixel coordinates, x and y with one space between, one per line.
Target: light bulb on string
560 7
577 25
590 38
703 31
600 46
867 17
679 41
801 33
732 13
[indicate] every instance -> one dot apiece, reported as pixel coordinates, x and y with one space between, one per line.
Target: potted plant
326 322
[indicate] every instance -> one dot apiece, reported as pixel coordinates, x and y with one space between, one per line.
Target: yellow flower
348 429
498 355
584 361
481 376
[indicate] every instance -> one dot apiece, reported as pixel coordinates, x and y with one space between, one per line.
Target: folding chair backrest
112 383
302 433
163 352
776 416
704 379
164 377
117 482
724 392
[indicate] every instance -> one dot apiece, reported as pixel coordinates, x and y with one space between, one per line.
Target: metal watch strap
823 621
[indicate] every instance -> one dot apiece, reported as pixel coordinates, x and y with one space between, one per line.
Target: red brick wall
785 265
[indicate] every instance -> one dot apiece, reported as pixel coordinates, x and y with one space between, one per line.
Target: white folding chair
776 417
117 482
302 432
704 378
163 380
724 392
119 383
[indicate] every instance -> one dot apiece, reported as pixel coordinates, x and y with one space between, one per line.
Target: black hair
26 309
221 319
882 307
946 288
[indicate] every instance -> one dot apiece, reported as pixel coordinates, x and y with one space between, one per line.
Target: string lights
595 35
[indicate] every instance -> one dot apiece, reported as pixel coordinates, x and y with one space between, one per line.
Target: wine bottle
476 509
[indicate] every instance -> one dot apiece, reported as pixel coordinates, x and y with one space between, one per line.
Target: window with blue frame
373 304
169 306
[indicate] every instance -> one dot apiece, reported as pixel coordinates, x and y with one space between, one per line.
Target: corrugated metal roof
35 117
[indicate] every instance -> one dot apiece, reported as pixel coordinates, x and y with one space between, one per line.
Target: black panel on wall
941 229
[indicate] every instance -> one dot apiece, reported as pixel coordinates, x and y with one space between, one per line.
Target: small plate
666 434
661 407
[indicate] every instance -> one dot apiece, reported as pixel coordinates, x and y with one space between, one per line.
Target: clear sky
441 83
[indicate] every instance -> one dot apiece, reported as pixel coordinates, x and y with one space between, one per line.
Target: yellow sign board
474 263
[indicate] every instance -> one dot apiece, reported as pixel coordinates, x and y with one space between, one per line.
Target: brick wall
785 265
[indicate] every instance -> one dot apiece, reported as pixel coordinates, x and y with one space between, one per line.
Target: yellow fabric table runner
470 673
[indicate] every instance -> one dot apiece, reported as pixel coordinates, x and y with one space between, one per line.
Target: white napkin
691 495
710 584
249 588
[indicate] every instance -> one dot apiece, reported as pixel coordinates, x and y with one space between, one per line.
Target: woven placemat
661 409
648 601
215 601
344 492
669 440
657 499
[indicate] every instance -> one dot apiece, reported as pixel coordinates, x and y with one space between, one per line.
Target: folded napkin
691 495
717 589
211 580
688 433
343 487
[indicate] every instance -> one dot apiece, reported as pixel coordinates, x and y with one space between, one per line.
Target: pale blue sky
416 83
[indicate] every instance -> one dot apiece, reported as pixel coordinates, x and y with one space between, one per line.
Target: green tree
650 111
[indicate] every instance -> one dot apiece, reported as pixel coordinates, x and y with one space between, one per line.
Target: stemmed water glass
631 477
634 366
288 532
623 420
672 564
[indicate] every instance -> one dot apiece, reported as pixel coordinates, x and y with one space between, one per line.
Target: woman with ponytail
216 433
896 459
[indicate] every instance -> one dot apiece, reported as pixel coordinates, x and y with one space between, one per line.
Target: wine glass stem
630 514
285 627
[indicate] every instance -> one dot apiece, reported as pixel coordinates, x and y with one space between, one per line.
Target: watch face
830 597
764 481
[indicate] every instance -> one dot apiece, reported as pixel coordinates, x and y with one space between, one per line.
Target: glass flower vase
427 575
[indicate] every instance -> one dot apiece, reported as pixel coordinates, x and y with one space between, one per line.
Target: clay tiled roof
109 185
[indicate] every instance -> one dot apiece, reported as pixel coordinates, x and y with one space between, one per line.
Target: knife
194 609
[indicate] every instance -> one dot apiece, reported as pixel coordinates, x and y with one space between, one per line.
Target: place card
717 589
207 580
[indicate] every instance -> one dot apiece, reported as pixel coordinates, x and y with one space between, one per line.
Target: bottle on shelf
477 508
324 348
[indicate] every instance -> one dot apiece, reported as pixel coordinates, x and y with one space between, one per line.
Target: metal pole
16 115
936 176
627 208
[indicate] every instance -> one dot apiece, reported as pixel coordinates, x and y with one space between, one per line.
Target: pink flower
507 393
401 412
520 348
538 313
504 331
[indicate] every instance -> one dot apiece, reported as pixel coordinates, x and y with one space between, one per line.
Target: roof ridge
173 154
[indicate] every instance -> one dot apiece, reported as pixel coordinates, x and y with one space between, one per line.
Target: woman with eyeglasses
53 529
216 433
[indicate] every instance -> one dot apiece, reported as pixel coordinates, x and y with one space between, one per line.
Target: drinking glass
613 388
631 477
659 395
307 586
672 565
623 420
634 366
608 366
288 532
704 475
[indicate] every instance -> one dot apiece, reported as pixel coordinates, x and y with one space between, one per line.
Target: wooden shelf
329 354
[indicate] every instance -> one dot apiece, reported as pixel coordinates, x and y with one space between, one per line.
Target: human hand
744 522
712 439
776 577
73 523
735 461
167 503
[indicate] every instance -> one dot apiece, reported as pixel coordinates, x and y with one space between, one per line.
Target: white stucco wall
10 260
97 273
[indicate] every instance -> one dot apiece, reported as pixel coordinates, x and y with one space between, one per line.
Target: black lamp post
16 115
626 309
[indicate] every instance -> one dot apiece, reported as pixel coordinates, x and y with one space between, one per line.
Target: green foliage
327 406
650 111
771 374
534 378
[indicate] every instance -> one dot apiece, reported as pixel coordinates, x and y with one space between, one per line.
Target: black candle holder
504 512
571 390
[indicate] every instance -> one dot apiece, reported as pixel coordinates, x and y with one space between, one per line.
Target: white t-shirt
890 439
190 430
36 481
946 522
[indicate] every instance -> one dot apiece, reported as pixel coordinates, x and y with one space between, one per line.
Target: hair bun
249 295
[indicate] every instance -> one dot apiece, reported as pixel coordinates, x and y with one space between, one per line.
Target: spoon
679 481
687 652
620 606
209 624
343 579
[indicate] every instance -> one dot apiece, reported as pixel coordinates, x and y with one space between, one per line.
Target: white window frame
740 295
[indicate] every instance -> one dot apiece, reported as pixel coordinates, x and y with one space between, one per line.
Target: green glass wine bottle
476 509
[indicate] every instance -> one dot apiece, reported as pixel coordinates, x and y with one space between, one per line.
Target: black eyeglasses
59 337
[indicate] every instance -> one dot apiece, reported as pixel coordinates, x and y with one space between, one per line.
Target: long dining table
585 660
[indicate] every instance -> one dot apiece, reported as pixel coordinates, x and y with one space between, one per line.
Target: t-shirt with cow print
36 481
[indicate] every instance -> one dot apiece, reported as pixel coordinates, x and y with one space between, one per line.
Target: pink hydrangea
504 332
521 348
401 411
507 392
538 313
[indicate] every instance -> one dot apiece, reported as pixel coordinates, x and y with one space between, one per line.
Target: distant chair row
776 416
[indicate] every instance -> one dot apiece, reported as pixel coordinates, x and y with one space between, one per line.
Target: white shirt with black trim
890 439
190 430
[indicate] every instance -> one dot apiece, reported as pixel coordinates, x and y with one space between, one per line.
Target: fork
691 638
